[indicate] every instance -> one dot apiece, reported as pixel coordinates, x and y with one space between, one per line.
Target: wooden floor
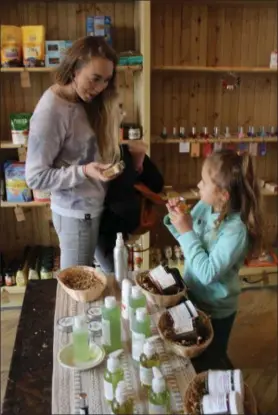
253 345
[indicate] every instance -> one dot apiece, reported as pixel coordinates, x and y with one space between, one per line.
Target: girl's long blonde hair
235 173
103 112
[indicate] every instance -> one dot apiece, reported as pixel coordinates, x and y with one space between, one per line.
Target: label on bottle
182 319
138 340
217 404
106 334
146 375
164 279
108 390
157 409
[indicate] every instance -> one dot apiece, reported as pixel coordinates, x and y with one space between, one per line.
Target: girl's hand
182 221
172 203
95 170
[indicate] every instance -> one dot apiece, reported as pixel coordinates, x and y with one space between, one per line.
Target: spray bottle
122 404
113 374
120 259
159 397
148 359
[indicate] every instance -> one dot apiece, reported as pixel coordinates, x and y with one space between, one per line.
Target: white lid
113 361
121 392
141 313
79 321
148 349
136 292
119 240
158 382
236 403
110 302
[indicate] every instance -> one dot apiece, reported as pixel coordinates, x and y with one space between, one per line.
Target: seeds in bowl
79 279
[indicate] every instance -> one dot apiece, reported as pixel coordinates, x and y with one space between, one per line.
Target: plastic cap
110 302
113 364
148 349
136 291
119 240
158 382
79 321
141 313
121 392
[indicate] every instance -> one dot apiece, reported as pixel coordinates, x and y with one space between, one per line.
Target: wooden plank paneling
65 20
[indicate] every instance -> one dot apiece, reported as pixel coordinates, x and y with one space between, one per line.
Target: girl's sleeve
229 250
46 136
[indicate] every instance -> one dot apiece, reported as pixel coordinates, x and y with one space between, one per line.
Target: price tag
25 79
19 214
184 147
207 149
253 149
22 154
195 150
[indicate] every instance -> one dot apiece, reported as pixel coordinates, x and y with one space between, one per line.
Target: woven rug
67 383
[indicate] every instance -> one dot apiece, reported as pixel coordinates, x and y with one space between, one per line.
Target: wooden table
30 377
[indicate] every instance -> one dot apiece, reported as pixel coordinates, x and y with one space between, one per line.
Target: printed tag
184 147
25 79
47 213
253 149
22 154
19 214
262 149
207 149
217 146
195 150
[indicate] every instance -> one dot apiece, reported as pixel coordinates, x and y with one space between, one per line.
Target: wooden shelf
248 271
240 69
4 204
9 144
158 140
133 68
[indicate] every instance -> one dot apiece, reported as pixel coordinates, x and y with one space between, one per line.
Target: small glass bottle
148 359
122 404
159 397
175 132
241 132
80 339
227 132
262 132
182 132
83 407
205 133
164 133
193 133
215 132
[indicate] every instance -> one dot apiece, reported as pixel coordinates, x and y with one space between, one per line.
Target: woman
73 138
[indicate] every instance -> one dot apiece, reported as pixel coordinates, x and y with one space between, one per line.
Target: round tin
95 328
94 314
65 324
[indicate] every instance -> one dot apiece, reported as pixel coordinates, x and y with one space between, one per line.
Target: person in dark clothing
122 207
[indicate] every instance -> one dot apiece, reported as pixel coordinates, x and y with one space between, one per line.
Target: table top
30 377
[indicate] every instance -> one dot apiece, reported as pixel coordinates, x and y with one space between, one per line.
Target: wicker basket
158 299
83 296
186 351
195 390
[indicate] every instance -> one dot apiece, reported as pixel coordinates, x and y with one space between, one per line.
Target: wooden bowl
159 299
179 349
83 295
195 390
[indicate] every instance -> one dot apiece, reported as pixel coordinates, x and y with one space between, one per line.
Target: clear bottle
140 331
148 359
120 255
122 404
111 325
227 132
126 292
113 374
80 339
159 397
136 300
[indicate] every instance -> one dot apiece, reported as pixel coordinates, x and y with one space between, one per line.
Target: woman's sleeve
46 137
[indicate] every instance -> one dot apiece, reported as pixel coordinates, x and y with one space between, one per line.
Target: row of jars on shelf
252 132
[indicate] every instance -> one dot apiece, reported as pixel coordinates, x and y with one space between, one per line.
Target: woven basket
158 299
195 390
83 296
186 351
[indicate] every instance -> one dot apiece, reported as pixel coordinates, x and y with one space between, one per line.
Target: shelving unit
132 68
158 140
223 69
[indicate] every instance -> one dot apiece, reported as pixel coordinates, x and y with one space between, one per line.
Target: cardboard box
99 26
57 48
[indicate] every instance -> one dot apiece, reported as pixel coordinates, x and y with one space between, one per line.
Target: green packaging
20 127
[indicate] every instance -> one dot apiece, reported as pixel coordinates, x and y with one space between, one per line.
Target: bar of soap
114 170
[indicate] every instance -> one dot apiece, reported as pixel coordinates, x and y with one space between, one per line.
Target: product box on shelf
99 26
16 186
130 58
55 51
33 41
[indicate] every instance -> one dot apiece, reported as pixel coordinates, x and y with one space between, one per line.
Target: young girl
223 227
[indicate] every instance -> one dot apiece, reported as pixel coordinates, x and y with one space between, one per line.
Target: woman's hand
96 170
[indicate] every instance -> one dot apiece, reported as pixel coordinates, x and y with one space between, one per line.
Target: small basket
87 295
186 351
159 299
195 390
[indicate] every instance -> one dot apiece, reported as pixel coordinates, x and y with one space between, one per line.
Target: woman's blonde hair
103 112
235 174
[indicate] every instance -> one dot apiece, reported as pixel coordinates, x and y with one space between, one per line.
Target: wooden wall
65 20
212 34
